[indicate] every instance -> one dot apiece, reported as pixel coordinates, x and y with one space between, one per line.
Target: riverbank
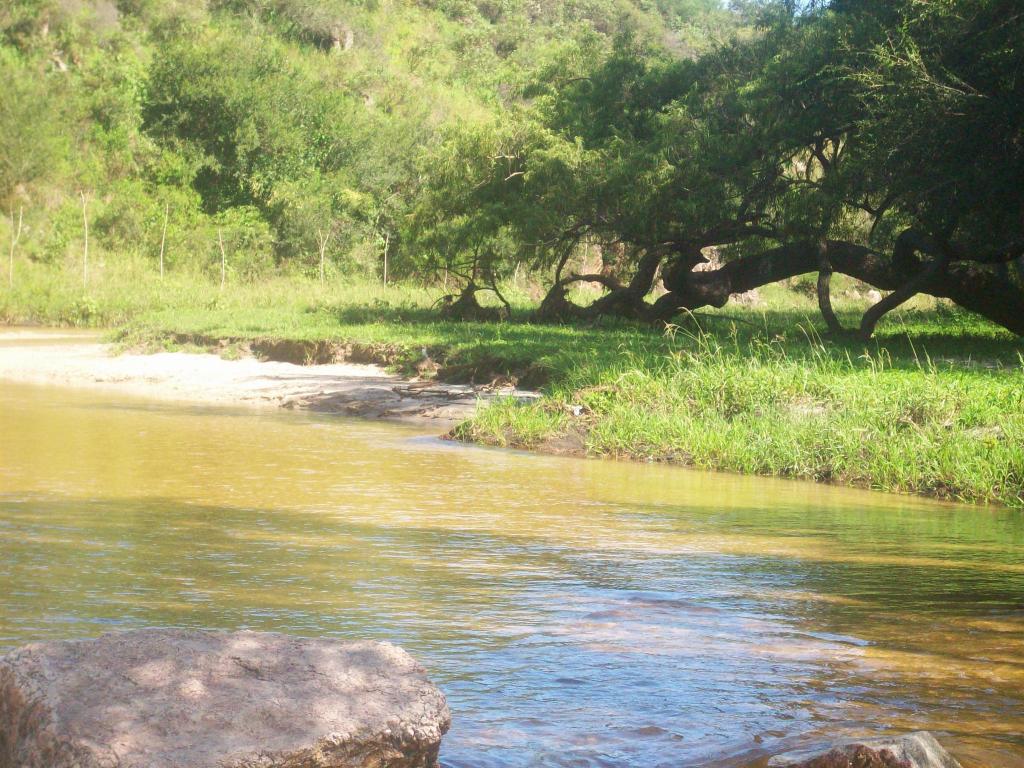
933 405
950 428
354 389
755 392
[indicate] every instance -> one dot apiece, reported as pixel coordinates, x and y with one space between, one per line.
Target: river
576 613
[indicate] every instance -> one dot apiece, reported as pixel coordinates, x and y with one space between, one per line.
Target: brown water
577 613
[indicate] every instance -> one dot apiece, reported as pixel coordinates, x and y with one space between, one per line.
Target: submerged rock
164 698
915 750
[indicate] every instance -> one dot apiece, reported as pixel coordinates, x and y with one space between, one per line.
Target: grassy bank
934 405
790 407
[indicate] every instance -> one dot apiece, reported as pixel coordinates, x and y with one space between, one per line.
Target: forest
285 130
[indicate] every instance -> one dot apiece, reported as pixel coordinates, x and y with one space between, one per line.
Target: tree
884 140
32 143
918 131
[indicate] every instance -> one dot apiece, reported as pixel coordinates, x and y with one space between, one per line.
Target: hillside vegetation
282 130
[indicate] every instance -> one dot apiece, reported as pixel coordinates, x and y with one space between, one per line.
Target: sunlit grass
804 408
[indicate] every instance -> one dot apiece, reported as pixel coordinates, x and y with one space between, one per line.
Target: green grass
934 405
792 408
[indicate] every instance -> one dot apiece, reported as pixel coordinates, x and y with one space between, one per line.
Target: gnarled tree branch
986 289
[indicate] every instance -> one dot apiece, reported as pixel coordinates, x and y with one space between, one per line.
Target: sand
70 359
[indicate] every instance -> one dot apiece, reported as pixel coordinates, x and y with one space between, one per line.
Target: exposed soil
489 371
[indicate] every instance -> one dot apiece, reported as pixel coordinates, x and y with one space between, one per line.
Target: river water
576 613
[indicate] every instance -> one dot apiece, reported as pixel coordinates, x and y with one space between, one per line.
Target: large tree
883 140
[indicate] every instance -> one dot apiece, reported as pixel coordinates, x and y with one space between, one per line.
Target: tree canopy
884 140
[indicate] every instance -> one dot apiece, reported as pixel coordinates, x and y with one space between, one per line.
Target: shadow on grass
933 340
939 339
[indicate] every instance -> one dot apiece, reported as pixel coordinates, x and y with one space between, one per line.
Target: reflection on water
577 613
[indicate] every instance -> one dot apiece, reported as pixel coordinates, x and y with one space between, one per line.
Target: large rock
159 698
915 750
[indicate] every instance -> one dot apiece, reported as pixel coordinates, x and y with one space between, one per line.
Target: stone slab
914 750
167 698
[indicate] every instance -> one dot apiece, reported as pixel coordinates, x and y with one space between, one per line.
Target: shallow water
576 613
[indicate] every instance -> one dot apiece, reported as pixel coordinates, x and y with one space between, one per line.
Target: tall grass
803 409
130 290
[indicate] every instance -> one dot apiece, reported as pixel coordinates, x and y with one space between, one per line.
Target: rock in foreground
915 750
158 698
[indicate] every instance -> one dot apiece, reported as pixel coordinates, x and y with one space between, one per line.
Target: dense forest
671 152
278 128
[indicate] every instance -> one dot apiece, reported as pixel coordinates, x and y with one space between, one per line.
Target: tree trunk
994 291
904 293
620 301
825 290
15 237
163 238
85 247
223 260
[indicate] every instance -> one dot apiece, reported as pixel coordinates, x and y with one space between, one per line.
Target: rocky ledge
914 750
163 698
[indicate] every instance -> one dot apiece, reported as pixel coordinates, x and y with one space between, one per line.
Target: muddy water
577 613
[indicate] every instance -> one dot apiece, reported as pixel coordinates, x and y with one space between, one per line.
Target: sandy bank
81 361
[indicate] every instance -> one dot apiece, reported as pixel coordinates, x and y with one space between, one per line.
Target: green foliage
480 137
307 117
32 144
247 241
951 70
854 120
